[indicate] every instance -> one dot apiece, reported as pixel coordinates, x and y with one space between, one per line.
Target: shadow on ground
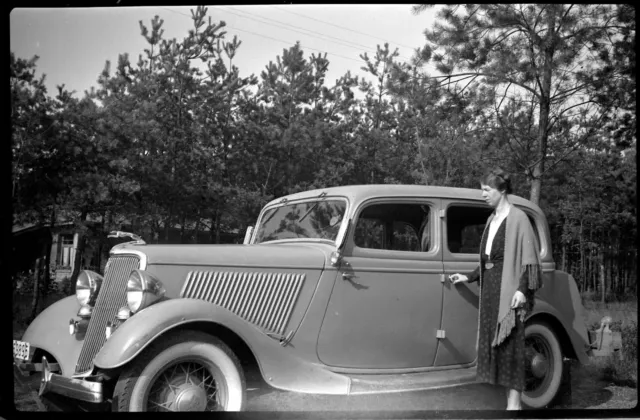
589 391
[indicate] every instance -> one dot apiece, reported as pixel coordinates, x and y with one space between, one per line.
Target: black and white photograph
324 209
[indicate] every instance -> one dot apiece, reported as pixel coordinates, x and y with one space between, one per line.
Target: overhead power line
275 39
341 27
305 47
341 41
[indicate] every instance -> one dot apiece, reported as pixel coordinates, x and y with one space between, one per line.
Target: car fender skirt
280 366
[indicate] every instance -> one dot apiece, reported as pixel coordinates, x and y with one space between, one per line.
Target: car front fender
50 332
281 367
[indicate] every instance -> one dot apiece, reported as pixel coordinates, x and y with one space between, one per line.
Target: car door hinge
440 334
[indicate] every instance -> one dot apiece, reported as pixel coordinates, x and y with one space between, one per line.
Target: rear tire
184 371
544 365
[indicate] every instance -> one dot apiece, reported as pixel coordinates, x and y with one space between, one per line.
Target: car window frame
339 235
351 249
539 228
445 233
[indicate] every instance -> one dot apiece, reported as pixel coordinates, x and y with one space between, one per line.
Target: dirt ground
585 393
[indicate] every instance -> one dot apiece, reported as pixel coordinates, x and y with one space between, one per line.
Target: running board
378 384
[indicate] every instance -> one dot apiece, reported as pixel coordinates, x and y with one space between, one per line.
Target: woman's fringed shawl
521 257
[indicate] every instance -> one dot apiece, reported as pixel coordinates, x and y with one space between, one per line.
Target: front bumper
78 389
25 369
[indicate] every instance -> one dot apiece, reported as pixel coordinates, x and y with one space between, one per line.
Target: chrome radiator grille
264 299
112 296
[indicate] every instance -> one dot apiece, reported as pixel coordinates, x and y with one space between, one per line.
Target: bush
64 287
22 282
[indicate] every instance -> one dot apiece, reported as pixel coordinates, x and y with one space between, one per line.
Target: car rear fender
280 366
563 328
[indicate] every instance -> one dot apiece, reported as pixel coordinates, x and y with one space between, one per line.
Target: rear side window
465 225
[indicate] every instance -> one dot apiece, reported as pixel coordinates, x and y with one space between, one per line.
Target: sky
74 43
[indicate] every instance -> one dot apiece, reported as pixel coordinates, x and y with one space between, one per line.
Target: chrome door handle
347 276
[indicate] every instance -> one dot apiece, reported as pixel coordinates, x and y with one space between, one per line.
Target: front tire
184 371
543 366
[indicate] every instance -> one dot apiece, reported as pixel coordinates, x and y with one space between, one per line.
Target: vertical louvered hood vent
264 299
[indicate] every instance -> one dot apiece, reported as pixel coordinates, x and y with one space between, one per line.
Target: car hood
285 255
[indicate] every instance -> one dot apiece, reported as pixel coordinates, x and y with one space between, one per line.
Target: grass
624 317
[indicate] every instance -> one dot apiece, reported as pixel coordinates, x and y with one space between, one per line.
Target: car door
385 307
462 225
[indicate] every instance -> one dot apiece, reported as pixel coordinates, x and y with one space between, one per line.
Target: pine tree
538 53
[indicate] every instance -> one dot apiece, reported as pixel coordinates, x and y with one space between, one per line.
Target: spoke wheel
186 371
543 365
187 386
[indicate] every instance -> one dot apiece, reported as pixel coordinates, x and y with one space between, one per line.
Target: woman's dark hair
498 179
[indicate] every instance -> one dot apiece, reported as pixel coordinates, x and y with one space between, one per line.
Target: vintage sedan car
338 291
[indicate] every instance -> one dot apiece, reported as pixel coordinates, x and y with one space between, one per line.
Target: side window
394 226
404 237
465 225
369 233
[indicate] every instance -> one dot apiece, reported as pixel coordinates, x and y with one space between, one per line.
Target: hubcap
184 386
539 365
193 398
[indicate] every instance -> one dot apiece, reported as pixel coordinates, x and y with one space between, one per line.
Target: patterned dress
504 364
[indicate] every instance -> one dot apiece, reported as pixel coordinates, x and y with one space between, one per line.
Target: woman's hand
518 300
458 278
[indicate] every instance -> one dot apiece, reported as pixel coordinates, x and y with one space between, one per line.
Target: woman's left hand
518 300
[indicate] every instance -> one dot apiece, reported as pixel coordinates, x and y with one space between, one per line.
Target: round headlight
143 289
87 287
134 291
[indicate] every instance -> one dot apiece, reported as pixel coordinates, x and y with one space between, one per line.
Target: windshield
312 219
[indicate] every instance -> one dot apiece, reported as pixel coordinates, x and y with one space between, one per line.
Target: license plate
21 350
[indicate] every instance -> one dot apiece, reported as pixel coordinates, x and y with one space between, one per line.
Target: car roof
358 193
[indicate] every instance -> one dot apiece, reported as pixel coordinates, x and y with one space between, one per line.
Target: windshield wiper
311 208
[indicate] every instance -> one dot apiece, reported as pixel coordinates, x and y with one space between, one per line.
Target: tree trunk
418 142
212 234
46 266
218 227
36 290
602 282
545 102
583 278
196 229
167 224
77 261
182 229
47 254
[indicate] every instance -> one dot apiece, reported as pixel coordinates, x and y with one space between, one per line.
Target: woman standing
509 274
